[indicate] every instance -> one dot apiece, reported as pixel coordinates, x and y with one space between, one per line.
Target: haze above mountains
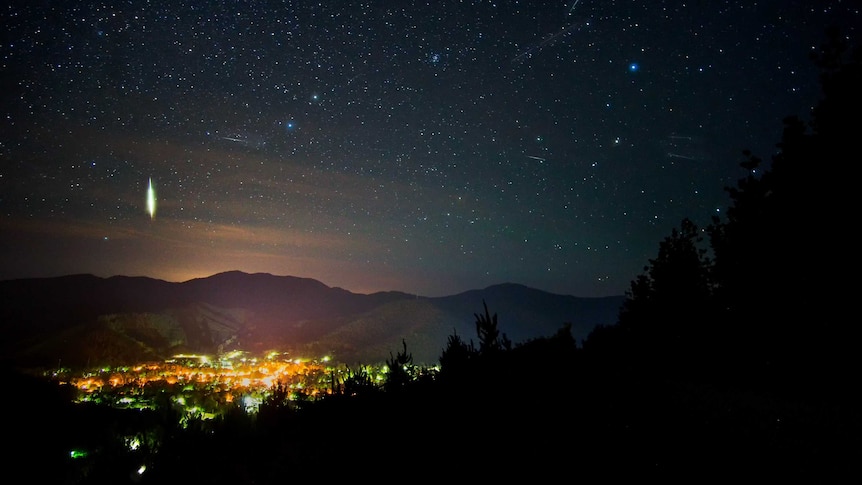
84 320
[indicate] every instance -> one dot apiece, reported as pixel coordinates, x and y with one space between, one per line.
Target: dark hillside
530 313
85 319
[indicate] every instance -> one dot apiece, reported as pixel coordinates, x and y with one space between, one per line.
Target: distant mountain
80 320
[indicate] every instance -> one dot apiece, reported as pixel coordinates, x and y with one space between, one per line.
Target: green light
75 454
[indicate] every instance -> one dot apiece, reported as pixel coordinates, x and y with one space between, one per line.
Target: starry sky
426 147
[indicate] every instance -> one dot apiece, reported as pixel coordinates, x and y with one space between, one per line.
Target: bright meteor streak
151 200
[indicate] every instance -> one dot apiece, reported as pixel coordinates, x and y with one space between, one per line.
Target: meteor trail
536 158
550 39
677 155
151 200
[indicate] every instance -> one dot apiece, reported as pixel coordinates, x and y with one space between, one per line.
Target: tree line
763 298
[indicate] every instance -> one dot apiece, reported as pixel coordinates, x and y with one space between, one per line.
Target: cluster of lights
230 374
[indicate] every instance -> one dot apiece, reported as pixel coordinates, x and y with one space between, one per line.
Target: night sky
426 147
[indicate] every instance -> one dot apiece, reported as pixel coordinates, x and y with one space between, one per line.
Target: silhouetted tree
778 251
490 340
456 356
765 308
665 317
402 371
359 383
276 404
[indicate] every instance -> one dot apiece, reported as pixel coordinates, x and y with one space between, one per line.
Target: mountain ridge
83 318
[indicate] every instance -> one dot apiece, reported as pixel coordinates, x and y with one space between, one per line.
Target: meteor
677 155
151 200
